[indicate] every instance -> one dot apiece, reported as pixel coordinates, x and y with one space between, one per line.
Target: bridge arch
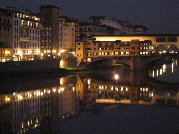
161 48
172 49
102 62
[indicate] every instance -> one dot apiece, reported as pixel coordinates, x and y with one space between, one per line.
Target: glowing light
121 88
157 72
172 68
42 93
89 81
62 89
62 51
54 51
147 89
116 76
38 93
20 97
161 71
8 99
112 88
62 63
153 73
73 89
127 89
30 95
54 90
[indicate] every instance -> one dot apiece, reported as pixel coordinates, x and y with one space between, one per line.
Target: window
161 39
171 39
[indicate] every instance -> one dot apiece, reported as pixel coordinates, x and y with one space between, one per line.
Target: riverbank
53 72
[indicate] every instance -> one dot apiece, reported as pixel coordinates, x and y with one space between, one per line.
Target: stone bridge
136 63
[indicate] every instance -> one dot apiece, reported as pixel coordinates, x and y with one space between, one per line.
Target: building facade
51 29
124 26
67 34
91 50
20 33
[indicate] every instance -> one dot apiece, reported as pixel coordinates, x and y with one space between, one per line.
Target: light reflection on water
166 72
46 106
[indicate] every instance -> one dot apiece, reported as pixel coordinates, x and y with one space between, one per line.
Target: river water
108 101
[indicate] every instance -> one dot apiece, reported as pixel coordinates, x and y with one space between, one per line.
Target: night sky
160 16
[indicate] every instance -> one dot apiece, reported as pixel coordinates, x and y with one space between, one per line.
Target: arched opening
89 29
172 49
161 49
81 29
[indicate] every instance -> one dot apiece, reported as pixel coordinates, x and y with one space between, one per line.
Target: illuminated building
125 45
67 32
167 41
89 50
20 32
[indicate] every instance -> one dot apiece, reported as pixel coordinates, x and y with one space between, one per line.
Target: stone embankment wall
23 66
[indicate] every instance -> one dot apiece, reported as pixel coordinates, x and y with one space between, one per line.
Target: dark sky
160 16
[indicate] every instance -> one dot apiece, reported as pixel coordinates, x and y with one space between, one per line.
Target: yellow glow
89 81
54 51
161 71
121 88
49 91
30 95
20 97
112 88
62 63
42 93
73 89
59 91
62 89
62 51
157 72
38 93
54 90
153 73
8 99
62 81
7 52
147 89
116 76
127 89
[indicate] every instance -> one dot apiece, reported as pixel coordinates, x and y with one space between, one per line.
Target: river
105 101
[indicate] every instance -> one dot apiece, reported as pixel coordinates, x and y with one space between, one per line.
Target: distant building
89 29
99 25
124 26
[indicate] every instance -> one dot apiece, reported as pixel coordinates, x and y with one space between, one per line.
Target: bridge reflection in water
45 107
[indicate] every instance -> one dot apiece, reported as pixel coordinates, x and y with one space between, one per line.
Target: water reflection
23 111
45 107
163 69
